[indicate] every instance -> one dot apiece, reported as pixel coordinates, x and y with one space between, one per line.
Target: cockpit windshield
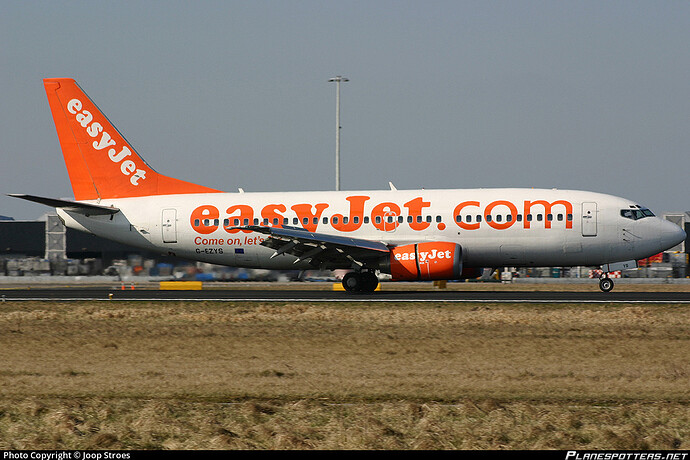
636 212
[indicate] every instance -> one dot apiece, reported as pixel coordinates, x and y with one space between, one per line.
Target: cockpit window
636 213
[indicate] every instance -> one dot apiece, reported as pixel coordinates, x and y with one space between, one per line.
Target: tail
100 162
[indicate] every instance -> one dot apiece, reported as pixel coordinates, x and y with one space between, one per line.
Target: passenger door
169 225
589 219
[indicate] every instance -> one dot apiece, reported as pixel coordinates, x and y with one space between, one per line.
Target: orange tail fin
100 162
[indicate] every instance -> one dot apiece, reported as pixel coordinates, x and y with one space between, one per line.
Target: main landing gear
605 283
365 281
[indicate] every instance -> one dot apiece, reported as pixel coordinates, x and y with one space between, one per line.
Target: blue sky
442 94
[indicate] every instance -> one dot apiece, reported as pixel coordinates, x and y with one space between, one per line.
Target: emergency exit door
589 219
169 225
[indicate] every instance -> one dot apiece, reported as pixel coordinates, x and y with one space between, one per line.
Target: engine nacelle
436 260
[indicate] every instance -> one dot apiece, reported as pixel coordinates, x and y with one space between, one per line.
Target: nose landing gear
605 283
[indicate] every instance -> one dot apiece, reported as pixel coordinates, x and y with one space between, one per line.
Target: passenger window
345 219
509 218
428 219
539 217
479 218
488 217
469 219
419 219
196 222
570 217
378 219
256 221
366 219
458 218
295 221
549 217
325 220
275 221
206 222
560 218
265 221
305 220
519 217
499 218
334 220
529 217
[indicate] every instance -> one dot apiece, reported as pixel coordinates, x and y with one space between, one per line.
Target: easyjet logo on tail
93 128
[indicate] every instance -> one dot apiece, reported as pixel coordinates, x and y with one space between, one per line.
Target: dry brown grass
341 376
114 423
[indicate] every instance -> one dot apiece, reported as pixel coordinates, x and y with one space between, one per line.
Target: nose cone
671 235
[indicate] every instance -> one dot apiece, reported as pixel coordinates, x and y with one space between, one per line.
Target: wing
319 249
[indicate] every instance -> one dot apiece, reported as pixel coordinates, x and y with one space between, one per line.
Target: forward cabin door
169 225
589 219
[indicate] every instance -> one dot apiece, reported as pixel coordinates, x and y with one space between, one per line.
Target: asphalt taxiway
287 295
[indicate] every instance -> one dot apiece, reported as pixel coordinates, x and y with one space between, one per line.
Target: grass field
243 375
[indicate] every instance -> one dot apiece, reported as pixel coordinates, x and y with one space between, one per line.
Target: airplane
411 235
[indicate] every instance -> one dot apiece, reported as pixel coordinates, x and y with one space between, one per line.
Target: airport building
45 247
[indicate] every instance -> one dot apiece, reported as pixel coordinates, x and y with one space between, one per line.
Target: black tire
369 282
352 282
606 284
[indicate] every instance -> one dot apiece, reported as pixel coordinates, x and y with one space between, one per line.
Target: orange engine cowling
426 261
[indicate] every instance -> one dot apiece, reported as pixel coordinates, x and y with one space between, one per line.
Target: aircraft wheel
606 284
352 282
369 282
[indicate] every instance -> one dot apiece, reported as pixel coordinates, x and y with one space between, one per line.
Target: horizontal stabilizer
73 206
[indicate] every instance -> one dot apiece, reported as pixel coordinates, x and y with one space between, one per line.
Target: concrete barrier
181 285
339 287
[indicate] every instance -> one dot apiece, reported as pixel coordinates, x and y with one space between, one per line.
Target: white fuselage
495 227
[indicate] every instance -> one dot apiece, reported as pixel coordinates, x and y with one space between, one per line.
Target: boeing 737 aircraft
409 234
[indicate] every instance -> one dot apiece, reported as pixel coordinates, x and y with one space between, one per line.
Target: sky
587 95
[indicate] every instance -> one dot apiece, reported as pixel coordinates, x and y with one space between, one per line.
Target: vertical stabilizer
100 161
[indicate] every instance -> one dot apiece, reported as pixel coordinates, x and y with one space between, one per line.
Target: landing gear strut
605 283
365 281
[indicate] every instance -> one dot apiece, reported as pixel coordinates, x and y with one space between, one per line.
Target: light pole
337 81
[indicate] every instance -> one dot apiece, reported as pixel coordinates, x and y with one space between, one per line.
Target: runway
271 295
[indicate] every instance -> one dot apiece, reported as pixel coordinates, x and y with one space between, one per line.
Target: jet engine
436 260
